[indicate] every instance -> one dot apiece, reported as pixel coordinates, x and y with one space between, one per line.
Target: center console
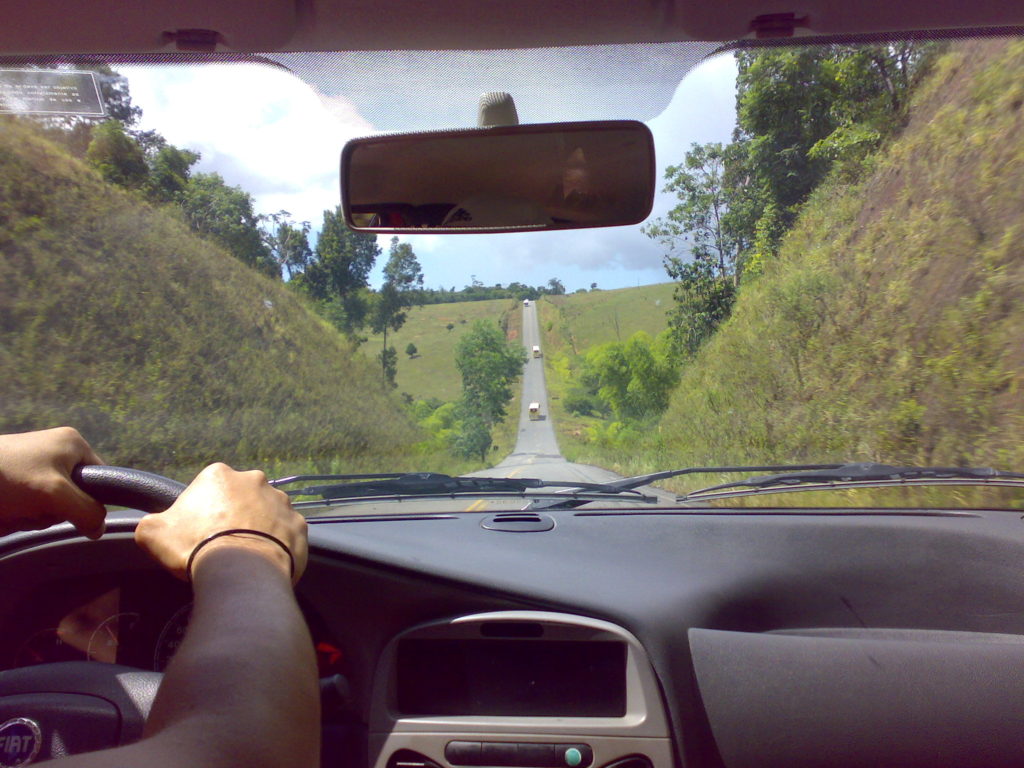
517 689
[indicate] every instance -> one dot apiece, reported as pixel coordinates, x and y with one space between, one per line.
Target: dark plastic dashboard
771 637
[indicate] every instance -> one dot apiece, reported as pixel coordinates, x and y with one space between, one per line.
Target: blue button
573 757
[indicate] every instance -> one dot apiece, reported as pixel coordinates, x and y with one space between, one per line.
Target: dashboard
136 618
608 640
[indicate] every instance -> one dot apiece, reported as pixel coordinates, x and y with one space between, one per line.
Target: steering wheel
54 710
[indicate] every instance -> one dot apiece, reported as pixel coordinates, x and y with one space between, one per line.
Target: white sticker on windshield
49 92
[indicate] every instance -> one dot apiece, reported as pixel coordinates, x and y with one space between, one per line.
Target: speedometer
108 636
170 638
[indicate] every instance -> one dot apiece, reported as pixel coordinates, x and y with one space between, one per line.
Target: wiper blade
861 474
425 484
630 483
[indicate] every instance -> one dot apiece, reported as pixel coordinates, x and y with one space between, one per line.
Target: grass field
432 372
583 320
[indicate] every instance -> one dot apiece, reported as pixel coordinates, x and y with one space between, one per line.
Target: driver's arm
242 689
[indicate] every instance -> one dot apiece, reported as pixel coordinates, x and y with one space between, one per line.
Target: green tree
288 243
634 378
848 98
388 358
702 302
737 201
703 244
472 438
116 156
411 350
169 172
488 365
225 215
339 270
402 279
150 142
771 88
700 222
116 96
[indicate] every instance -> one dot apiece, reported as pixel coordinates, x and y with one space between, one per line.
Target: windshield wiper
630 483
425 484
420 485
858 475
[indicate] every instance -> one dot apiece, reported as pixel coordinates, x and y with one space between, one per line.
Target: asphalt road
536 453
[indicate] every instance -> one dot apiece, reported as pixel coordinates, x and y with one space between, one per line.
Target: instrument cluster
138 619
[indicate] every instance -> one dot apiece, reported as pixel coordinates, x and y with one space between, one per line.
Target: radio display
511 678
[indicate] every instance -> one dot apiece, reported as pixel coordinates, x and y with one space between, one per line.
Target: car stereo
517 678
517 689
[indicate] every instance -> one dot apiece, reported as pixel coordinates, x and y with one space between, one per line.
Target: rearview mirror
501 179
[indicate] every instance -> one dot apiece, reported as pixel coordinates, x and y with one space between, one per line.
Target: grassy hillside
165 351
890 328
578 321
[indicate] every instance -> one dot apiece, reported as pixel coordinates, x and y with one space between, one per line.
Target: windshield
831 272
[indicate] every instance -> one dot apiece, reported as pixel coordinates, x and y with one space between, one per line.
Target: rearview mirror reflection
507 178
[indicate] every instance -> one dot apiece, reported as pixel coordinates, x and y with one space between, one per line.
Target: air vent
518 522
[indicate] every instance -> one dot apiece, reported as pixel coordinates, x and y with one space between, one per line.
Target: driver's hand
217 500
36 490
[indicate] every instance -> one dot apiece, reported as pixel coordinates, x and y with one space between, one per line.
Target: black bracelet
230 532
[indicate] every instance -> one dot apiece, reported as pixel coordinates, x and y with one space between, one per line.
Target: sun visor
106 26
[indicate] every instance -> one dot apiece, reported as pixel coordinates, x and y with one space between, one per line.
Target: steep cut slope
164 350
892 325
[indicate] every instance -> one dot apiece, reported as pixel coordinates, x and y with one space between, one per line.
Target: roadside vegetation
163 348
847 288
253 337
596 345
885 321
890 325
460 382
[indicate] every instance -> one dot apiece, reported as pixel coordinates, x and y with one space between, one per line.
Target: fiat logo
20 740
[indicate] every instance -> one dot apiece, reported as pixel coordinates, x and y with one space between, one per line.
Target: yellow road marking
514 472
476 506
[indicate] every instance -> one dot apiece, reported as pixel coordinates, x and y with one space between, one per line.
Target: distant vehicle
536 351
526 302
534 410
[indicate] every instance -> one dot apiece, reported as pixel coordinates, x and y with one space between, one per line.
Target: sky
280 139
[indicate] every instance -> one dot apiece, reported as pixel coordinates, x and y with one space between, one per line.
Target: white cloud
256 125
